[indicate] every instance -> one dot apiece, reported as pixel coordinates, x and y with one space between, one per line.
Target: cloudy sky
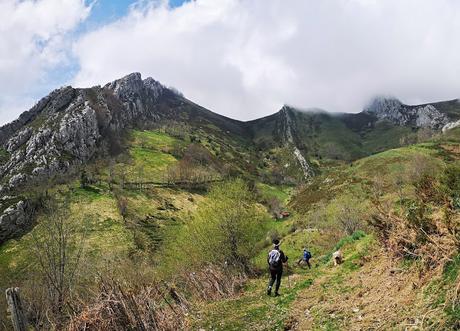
240 58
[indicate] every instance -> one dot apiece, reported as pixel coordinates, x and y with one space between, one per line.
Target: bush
224 231
425 227
349 239
451 184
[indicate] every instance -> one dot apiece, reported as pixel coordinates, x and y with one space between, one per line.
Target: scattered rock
15 219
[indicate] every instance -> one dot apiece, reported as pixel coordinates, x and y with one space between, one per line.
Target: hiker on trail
305 258
337 257
275 260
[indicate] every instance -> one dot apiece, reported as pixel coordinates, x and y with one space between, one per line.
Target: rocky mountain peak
385 107
154 86
67 127
393 110
132 85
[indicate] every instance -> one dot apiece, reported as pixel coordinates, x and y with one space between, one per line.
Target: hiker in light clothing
275 260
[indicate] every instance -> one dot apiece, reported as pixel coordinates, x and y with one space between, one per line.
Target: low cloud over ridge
244 59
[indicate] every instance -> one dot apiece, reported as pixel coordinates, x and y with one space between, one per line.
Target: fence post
15 308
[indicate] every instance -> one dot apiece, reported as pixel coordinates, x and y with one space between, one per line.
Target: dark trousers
307 262
275 275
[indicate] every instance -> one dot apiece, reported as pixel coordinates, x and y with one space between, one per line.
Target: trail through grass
254 310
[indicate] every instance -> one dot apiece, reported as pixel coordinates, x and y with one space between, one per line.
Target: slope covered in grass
254 310
373 287
376 286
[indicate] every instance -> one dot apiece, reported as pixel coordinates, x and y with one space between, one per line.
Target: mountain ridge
134 78
70 127
92 117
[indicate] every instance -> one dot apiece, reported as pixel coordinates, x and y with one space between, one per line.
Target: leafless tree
350 219
274 205
111 179
57 247
122 205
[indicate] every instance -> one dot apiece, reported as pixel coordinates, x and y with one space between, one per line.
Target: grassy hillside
374 287
122 223
322 135
126 229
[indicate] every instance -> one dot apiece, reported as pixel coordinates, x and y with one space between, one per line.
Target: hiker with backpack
275 260
305 258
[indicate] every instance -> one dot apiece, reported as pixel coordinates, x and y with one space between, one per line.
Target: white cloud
246 58
33 42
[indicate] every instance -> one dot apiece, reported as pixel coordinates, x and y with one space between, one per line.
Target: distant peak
132 84
312 110
383 104
285 108
132 76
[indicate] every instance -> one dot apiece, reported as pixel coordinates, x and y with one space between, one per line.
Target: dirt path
378 296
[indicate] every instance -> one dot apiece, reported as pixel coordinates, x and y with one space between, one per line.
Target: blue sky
105 11
34 77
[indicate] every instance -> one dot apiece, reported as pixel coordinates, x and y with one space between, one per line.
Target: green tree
223 231
451 184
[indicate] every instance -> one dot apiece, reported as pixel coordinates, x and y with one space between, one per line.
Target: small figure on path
305 258
337 257
275 260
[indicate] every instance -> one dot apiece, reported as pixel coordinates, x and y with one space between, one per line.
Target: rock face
69 126
424 116
15 219
66 129
451 125
287 132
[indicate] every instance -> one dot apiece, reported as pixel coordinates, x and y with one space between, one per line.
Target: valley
168 211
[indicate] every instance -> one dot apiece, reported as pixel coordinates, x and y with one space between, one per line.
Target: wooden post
15 308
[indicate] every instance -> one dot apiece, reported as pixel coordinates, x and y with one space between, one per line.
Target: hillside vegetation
404 273
173 232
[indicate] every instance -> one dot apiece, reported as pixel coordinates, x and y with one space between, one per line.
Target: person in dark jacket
275 260
305 258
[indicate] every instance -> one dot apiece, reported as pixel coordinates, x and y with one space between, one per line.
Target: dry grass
120 307
380 296
154 305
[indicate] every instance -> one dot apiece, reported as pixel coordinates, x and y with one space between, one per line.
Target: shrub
349 239
425 228
223 231
451 184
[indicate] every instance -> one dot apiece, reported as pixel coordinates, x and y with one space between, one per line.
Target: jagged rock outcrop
450 126
287 131
424 116
286 125
53 101
68 135
16 218
68 127
138 99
